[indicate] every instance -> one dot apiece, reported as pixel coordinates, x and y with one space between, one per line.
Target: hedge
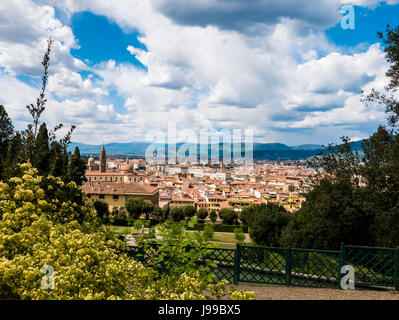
221 227
129 222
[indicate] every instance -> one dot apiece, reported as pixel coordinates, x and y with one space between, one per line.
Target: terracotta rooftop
117 188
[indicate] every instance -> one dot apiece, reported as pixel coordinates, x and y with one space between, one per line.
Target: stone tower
103 160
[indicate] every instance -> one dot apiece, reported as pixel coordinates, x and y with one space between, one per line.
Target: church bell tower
103 160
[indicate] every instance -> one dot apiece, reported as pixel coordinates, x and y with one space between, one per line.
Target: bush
209 230
239 235
88 259
121 222
220 227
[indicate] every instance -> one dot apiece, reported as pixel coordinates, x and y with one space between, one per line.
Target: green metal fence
374 267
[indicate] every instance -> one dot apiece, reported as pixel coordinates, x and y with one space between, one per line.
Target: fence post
237 264
396 268
341 263
288 266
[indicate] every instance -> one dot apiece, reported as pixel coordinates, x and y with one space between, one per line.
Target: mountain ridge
261 151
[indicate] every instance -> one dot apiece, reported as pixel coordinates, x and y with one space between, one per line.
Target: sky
123 70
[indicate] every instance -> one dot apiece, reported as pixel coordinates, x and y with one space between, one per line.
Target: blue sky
126 70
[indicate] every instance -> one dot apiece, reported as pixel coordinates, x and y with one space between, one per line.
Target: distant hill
261 151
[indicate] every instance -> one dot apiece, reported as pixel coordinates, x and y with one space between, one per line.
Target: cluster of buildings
212 187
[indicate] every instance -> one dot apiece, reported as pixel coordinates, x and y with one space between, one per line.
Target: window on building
101 196
115 198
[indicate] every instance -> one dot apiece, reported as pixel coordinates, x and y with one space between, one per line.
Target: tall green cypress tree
76 168
59 160
41 155
6 133
15 155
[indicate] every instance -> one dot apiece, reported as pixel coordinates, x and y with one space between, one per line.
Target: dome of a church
91 161
127 167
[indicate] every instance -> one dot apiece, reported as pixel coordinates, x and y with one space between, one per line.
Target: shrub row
128 222
220 227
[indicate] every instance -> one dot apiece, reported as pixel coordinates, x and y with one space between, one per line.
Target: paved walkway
297 293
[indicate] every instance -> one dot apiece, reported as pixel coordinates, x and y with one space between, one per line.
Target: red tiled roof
117 188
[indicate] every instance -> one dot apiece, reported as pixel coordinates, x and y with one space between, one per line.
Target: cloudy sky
119 69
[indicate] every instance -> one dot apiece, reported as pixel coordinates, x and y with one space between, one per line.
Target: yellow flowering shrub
44 222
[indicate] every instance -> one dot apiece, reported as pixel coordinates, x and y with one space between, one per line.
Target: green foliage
178 251
58 160
76 168
41 154
101 208
239 235
213 216
37 228
228 216
209 230
177 214
6 135
147 208
137 206
157 214
165 212
247 214
220 227
189 211
267 224
202 213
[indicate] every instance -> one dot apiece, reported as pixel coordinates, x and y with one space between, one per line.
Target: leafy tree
239 235
134 207
247 214
202 213
213 216
117 214
147 209
102 208
268 223
165 212
189 211
76 168
177 214
209 230
48 231
228 216
157 214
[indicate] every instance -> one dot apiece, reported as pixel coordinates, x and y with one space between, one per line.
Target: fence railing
374 267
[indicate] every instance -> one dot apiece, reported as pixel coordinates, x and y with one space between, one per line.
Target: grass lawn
223 240
224 237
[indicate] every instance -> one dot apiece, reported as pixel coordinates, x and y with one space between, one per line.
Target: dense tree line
356 199
38 145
